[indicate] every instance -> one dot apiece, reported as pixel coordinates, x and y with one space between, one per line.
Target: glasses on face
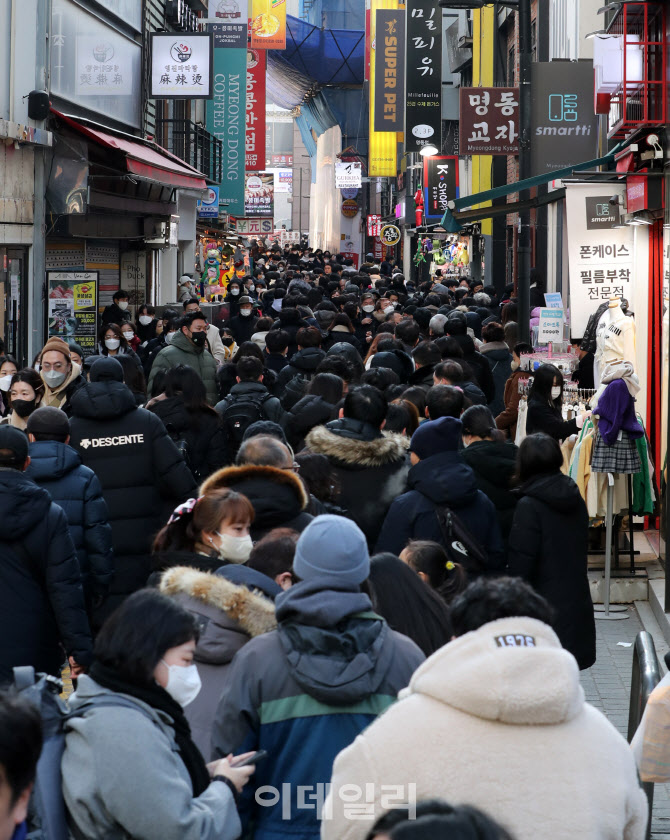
294 467
57 366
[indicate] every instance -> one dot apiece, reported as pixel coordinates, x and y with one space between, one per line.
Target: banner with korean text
423 109
382 144
255 121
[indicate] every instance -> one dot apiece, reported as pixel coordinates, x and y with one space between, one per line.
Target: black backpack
182 445
239 412
460 545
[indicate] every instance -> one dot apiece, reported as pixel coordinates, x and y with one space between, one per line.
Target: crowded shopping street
334 363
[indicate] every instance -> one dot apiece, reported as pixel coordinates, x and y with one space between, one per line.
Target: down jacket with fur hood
278 496
230 616
501 723
370 467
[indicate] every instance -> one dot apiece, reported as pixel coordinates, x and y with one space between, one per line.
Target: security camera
615 199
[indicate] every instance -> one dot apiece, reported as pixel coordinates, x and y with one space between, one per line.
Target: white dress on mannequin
615 339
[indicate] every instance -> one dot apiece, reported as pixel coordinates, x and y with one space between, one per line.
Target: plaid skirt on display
621 457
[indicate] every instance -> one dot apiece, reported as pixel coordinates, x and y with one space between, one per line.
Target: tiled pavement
607 687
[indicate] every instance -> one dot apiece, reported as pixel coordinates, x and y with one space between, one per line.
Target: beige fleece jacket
497 719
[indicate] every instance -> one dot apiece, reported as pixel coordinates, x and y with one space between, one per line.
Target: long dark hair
328 386
183 382
30 377
539 454
407 604
429 558
478 421
543 382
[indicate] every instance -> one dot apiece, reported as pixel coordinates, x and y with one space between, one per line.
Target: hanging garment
621 370
620 457
521 422
643 490
616 410
584 465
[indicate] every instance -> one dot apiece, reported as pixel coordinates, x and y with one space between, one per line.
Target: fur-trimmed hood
351 451
231 614
232 476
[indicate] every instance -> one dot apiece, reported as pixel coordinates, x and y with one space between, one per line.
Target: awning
452 218
148 161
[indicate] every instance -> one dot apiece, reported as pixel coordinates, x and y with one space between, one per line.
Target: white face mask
235 549
515 365
6 381
128 335
53 378
183 683
368 308
555 392
234 291
276 304
145 320
245 312
169 336
112 343
123 304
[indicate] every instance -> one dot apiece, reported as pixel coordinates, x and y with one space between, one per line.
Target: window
511 67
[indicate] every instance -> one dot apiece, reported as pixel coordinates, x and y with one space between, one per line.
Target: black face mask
198 339
23 407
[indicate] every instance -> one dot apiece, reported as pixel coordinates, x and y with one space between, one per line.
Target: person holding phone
130 768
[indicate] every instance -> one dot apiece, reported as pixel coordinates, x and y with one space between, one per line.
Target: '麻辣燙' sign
181 65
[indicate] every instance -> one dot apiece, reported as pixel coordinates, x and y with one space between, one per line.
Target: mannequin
418 202
615 338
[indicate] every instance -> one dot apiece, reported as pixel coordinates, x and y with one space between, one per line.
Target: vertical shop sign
423 109
73 307
255 110
440 183
390 70
268 24
383 145
600 258
489 121
226 115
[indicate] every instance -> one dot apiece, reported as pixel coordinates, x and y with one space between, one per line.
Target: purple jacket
616 409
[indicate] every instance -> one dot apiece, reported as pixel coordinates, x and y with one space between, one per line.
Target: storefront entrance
13 302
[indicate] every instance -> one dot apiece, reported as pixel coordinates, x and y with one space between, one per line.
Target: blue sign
208 208
553 300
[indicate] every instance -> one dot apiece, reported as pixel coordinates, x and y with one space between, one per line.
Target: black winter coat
500 361
113 314
442 480
278 496
307 413
43 607
548 548
480 368
275 361
205 439
494 465
142 473
543 417
76 489
346 337
292 380
242 328
370 467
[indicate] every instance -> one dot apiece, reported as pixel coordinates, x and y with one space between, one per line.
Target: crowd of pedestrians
304 580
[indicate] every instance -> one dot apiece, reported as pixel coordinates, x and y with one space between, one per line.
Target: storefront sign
347 175
489 121
350 208
73 307
551 326
553 300
268 24
208 208
231 17
259 195
226 117
390 70
600 260
378 249
390 235
181 65
565 128
255 120
282 160
440 183
283 181
644 192
104 67
600 212
374 225
423 109
252 227
382 145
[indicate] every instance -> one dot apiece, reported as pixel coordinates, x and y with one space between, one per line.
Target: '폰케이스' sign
423 109
390 70
489 122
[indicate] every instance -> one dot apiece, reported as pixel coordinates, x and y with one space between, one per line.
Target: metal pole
523 250
300 206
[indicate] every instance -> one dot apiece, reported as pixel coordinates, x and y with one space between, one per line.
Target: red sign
489 121
378 250
351 255
374 225
255 117
636 193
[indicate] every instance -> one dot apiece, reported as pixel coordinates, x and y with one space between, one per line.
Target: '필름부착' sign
489 123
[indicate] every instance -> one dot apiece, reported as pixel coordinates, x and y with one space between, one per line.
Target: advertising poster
73 307
259 195
255 110
268 24
440 183
423 109
181 65
389 104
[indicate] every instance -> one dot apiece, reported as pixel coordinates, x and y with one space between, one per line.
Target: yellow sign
390 235
383 145
268 24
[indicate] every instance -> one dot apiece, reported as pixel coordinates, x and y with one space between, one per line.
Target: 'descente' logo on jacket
121 440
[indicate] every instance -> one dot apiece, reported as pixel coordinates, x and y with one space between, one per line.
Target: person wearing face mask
233 298
25 395
216 346
506 420
146 323
61 376
117 312
188 347
129 332
165 327
544 406
8 368
135 696
243 325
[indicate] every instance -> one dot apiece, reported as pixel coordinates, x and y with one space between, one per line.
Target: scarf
158 698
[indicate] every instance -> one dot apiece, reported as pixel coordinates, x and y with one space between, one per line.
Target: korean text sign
259 195
440 183
423 109
383 145
73 307
600 259
255 110
489 122
390 70
181 65
551 326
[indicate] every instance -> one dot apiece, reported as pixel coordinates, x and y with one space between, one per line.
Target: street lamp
525 58
429 150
